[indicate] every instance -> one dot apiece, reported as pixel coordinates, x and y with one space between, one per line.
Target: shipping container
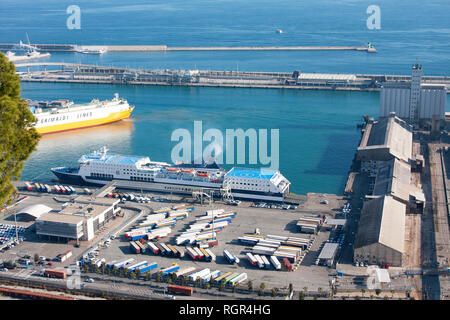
251 259
167 251
276 264
266 262
162 251
185 271
260 262
192 253
230 277
61 274
153 248
200 254
174 267
205 254
122 264
137 265
221 277
229 257
148 267
142 246
199 274
175 251
287 264
239 279
213 275
180 289
212 255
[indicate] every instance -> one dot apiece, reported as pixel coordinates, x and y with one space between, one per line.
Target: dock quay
155 48
80 73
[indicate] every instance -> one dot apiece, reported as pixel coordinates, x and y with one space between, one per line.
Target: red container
287 264
180 289
213 243
55 273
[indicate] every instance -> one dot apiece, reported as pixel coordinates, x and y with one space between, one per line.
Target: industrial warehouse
78 220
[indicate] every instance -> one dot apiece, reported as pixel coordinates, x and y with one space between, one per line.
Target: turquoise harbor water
318 134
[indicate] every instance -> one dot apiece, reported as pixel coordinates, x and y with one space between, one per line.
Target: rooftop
382 221
386 138
61 218
393 178
328 251
260 174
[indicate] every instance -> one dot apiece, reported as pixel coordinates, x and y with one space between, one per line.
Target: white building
413 101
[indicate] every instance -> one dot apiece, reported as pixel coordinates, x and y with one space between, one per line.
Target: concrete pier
71 72
156 48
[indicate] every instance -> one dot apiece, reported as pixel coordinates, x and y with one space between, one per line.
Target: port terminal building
77 220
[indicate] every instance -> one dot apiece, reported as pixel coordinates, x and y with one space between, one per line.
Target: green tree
221 285
250 285
291 288
377 292
36 258
363 291
274 292
208 286
18 137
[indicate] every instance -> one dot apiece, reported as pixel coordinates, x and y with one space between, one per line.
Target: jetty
81 73
163 48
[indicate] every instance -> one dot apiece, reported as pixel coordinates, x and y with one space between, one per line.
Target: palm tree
363 291
393 292
305 290
250 285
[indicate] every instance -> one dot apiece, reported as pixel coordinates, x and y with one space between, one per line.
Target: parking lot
267 220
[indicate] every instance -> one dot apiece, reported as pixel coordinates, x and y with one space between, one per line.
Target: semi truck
230 258
180 289
148 267
174 267
61 274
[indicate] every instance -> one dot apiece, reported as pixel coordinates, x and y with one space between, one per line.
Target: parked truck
174 267
61 274
180 289
148 267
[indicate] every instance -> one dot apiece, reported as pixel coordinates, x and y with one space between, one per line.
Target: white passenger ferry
100 167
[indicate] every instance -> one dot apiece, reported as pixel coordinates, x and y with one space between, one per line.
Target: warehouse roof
336 222
83 210
328 251
382 221
393 178
386 138
35 211
97 200
61 218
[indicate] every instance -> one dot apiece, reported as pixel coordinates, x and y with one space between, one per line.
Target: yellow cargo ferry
63 115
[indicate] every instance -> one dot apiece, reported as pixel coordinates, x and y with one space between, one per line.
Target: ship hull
112 117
